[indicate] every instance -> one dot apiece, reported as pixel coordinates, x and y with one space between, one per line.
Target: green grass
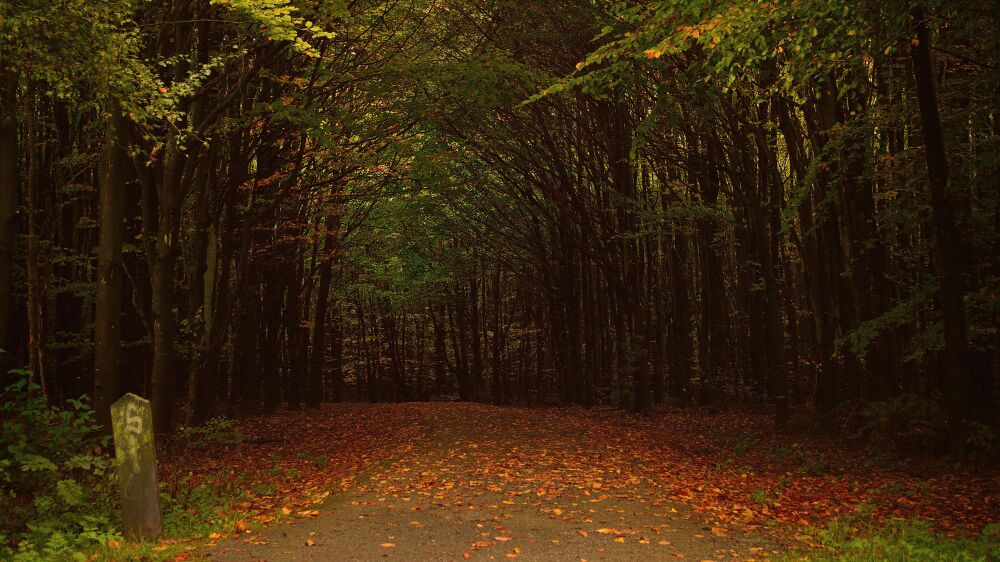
858 538
188 519
761 497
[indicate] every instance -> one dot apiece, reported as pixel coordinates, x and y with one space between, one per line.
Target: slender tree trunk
314 386
248 344
164 292
36 293
476 372
107 324
337 353
9 187
270 359
296 338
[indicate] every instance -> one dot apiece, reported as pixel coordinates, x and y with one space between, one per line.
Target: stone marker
132 420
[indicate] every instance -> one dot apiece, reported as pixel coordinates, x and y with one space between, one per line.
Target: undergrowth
860 538
58 488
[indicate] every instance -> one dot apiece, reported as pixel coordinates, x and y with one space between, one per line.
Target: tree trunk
107 323
317 360
950 249
164 292
9 184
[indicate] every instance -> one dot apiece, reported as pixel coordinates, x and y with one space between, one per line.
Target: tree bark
107 323
950 250
317 360
9 187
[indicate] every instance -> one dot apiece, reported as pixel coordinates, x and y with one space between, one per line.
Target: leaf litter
566 461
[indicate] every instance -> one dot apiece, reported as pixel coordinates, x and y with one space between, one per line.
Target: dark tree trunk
9 186
951 255
113 176
317 360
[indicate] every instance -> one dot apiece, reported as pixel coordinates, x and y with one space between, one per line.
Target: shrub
907 421
216 431
55 490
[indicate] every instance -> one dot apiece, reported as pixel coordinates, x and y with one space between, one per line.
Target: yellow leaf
388 545
310 542
557 511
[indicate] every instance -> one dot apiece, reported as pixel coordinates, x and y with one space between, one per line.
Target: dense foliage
55 493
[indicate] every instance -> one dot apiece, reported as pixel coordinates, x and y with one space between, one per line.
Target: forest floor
453 481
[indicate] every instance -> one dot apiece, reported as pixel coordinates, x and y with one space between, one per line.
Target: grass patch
744 445
761 497
859 538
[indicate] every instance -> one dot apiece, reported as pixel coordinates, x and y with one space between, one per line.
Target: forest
710 232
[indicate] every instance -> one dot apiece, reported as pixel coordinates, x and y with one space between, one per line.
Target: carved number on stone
133 426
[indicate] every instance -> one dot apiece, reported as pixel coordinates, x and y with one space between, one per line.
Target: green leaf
35 463
70 491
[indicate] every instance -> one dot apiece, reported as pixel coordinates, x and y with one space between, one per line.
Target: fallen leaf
310 542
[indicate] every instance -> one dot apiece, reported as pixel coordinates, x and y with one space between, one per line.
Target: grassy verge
197 515
859 538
